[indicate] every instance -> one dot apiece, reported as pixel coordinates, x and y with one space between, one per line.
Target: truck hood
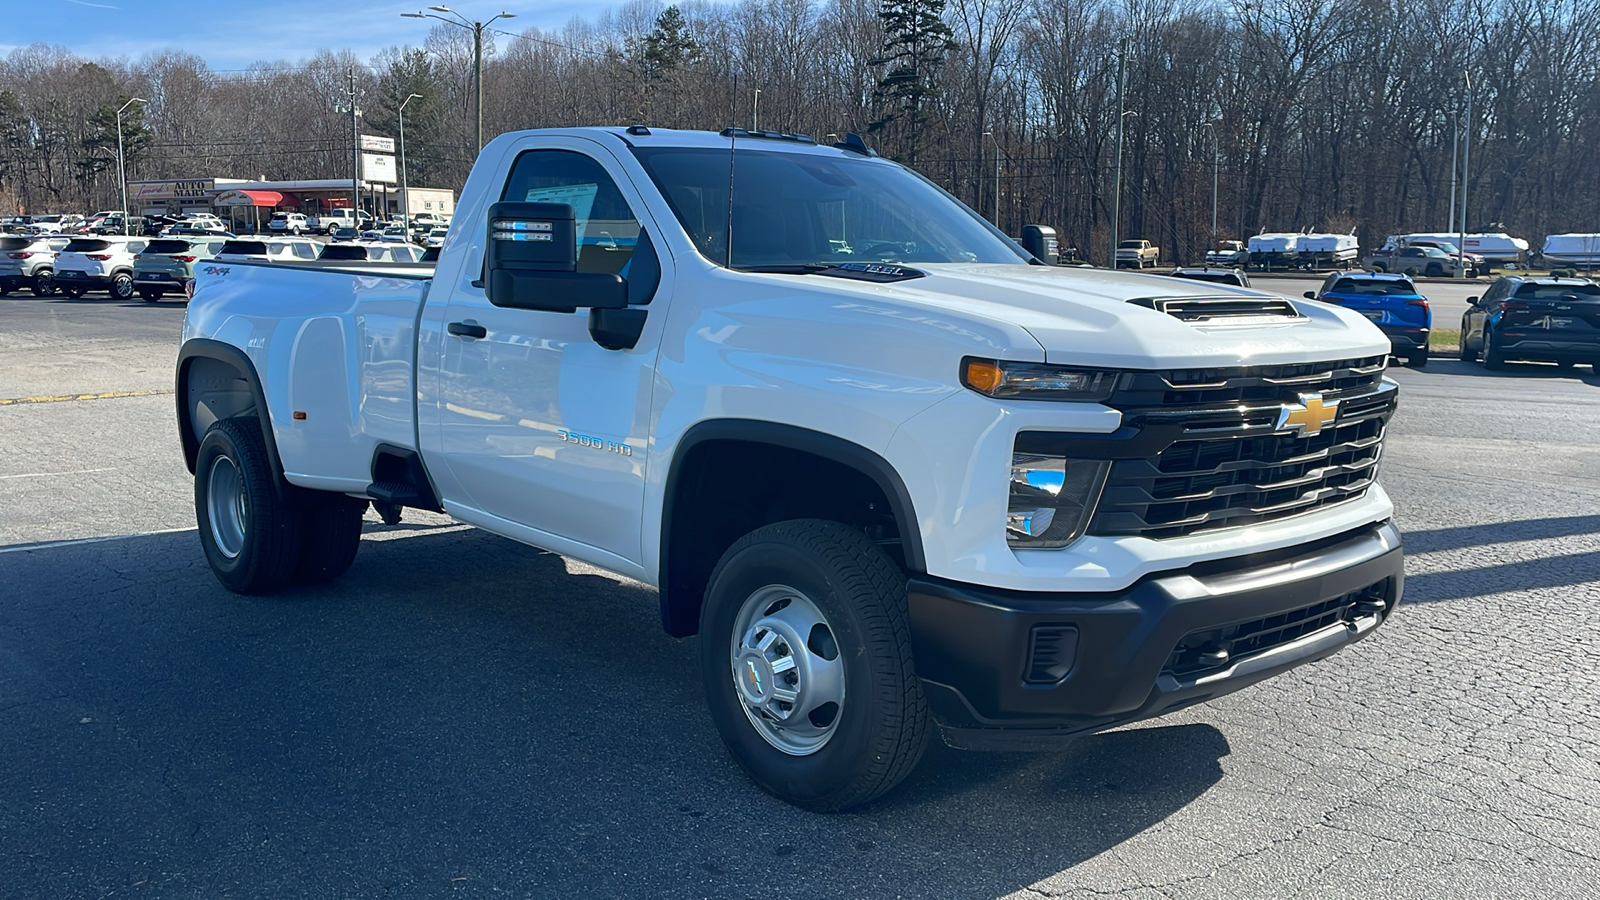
1089 317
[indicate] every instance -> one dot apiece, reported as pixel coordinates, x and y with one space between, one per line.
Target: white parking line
51 474
51 545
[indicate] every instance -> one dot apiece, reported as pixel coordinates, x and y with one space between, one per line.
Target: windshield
799 209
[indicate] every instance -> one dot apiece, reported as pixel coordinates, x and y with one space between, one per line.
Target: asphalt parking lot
464 716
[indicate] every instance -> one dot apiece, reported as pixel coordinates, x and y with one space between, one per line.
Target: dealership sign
375 144
195 189
376 167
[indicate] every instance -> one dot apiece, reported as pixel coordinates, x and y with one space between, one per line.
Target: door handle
467 329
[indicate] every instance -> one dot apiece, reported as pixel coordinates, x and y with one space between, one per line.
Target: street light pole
1216 168
1466 170
122 165
476 28
990 135
405 187
1116 190
755 112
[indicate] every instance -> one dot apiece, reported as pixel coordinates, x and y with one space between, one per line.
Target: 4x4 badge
1308 416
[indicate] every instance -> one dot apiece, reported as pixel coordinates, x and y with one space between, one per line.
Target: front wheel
806 656
252 538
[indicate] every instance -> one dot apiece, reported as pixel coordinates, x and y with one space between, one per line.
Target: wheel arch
827 462
215 381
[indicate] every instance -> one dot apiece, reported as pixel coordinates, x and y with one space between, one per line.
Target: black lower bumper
1551 348
1012 669
1404 343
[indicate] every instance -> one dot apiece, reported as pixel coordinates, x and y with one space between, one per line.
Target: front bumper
1133 654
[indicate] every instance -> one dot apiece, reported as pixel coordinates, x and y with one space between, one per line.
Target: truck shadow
460 712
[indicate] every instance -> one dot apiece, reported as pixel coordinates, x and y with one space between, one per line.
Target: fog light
1052 498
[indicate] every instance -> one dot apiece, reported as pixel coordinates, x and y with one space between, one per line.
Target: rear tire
44 284
150 295
122 286
252 539
1492 358
74 292
331 534
1418 360
813 614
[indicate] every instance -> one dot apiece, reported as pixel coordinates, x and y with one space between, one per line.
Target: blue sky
232 34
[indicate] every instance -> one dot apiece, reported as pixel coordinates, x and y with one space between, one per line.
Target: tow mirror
532 262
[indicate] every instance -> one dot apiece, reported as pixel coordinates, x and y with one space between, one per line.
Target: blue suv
1391 302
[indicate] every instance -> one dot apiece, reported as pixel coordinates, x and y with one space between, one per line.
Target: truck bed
336 354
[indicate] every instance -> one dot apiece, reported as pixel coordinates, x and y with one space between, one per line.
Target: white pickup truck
892 471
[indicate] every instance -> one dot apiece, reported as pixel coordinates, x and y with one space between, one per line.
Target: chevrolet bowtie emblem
1308 416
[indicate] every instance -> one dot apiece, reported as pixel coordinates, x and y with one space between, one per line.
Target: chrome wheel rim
123 285
226 507
787 672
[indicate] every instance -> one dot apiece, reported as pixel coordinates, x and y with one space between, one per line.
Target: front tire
252 539
806 656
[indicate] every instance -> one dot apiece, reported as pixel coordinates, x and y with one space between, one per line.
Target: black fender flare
206 348
674 617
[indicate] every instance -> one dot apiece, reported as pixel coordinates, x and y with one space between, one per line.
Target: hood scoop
1222 310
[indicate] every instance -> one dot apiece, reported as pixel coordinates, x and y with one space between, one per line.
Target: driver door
542 429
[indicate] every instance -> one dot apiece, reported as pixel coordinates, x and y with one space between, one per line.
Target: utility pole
476 28
1216 168
405 188
1455 166
755 112
355 155
1116 191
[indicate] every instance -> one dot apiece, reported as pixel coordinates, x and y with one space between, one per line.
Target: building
248 205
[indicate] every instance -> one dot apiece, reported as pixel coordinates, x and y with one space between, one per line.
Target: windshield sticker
579 196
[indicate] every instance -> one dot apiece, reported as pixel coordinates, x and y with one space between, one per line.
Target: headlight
1052 498
1035 381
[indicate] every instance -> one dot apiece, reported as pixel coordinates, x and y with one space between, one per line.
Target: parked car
1414 261
289 223
1137 255
47 224
98 262
1541 319
183 229
15 224
29 261
1391 302
166 265
344 233
272 249
1229 254
435 237
149 226
372 251
1213 274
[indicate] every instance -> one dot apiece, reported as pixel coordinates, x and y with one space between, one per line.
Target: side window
608 232
136 246
305 251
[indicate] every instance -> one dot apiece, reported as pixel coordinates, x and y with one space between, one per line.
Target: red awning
268 199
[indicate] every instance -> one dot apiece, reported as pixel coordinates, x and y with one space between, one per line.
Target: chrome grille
1218 461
